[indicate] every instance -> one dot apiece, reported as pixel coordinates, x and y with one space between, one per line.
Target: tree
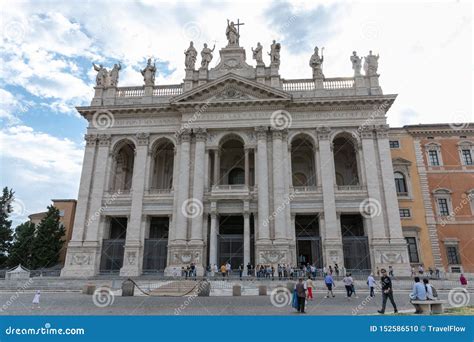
22 248
6 235
48 240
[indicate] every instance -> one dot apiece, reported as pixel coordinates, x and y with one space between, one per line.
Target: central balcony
226 191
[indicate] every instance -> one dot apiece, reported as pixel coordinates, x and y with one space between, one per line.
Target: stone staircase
175 289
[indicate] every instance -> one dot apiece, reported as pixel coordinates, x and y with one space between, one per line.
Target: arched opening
122 171
345 161
400 184
162 165
302 162
232 162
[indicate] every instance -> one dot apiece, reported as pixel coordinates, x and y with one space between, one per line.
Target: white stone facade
237 141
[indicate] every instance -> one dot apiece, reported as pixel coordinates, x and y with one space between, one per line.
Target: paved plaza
76 303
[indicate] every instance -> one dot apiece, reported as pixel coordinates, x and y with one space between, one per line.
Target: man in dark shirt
301 293
387 291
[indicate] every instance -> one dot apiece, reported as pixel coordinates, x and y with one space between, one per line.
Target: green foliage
6 234
21 250
48 241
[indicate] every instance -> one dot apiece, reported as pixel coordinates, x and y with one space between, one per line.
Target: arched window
401 184
345 161
237 176
123 167
302 161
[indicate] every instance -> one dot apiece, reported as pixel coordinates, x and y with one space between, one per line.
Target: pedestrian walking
371 284
463 280
387 292
378 272
36 300
437 272
310 286
329 281
241 270
301 293
421 270
336 269
418 293
348 284
390 271
223 271
228 269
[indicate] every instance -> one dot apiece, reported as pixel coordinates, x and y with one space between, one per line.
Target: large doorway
156 245
231 240
308 240
355 243
113 245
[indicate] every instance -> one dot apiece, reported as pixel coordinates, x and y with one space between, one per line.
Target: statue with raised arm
316 63
257 54
275 54
356 63
114 74
371 64
102 78
149 73
206 56
232 34
191 56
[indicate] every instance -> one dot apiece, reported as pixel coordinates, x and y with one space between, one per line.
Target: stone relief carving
231 94
131 257
80 259
391 258
272 257
187 257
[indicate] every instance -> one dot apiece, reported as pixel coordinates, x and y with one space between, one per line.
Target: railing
298 85
230 187
309 84
350 187
168 90
130 92
339 83
159 191
306 188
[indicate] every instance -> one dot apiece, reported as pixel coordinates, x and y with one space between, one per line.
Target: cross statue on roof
233 33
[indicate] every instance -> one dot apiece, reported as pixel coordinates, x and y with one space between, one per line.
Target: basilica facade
237 164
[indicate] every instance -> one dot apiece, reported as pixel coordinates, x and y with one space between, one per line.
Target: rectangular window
443 207
412 250
405 212
434 160
61 213
453 255
394 144
466 157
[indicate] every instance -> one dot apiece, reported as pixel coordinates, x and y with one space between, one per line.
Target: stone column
213 239
263 210
332 239
374 201
247 169
81 218
217 167
279 204
286 150
198 195
246 239
133 258
183 188
172 234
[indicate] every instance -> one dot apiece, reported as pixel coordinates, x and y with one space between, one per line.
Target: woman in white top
371 284
36 300
429 290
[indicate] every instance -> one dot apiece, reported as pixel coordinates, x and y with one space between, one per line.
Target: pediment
231 88
401 161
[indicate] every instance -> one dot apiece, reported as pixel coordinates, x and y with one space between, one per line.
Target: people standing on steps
310 286
387 292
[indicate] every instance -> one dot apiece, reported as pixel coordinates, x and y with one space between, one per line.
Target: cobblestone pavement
75 303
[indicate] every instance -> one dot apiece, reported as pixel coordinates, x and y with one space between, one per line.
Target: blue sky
48 47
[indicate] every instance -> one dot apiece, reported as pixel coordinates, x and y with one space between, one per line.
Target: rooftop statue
356 63
149 73
232 34
257 54
206 56
114 74
371 64
275 54
191 56
316 63
102 78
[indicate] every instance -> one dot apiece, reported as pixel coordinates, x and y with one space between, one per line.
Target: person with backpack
431 293
387 292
